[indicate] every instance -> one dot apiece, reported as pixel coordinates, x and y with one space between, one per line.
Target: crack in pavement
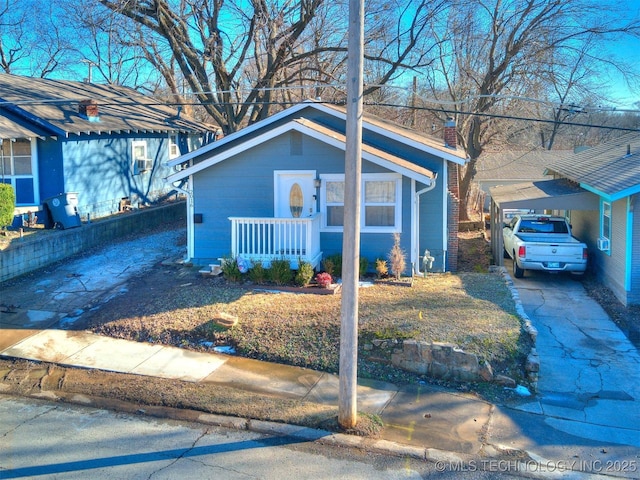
204 433
12 430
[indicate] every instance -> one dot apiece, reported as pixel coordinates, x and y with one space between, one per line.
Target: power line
512 117
61 102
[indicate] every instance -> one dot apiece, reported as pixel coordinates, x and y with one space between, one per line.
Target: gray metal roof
544 194
611 169
52 105
515 165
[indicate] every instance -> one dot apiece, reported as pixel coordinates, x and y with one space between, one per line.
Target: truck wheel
517 271
505 254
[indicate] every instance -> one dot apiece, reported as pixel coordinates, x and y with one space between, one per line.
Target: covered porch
265 239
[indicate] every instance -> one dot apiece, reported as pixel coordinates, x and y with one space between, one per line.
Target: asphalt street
584 419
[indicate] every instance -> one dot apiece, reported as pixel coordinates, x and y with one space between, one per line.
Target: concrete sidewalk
38 315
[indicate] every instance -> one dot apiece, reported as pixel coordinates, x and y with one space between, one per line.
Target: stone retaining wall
441 360
28 254
447 361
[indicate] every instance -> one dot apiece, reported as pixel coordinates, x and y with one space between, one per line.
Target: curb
444 461
323 437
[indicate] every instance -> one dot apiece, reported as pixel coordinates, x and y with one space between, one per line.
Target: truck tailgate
554 252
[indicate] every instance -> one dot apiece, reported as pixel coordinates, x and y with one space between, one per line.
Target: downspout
190 225
416 233
629 242
445 218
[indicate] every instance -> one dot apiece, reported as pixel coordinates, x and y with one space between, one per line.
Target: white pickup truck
542 242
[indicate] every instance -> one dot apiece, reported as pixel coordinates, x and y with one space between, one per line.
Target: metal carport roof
558 194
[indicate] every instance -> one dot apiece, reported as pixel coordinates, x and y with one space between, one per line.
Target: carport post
497 242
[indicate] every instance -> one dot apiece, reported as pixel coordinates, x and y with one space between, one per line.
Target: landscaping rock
225 320
505 381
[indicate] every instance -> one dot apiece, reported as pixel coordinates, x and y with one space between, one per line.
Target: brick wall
453 214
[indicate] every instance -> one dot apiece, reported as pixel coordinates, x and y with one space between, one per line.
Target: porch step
213 271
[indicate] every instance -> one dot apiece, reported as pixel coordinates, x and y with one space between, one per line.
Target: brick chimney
88 109
450 135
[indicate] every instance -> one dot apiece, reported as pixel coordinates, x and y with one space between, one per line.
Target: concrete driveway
589 381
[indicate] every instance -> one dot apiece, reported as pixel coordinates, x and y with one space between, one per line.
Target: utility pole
348 374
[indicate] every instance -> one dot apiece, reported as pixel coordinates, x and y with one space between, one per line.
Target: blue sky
629 49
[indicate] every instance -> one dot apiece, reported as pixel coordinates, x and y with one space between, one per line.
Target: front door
295 194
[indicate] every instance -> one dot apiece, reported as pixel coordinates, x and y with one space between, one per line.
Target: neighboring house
510 167
600 189
611 171
103 143
276 189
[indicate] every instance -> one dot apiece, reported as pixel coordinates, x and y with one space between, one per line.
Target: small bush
364 266
397 258
333 265
304 274
381 268
328 266
323 279
7 204
280 272
258 274
231 270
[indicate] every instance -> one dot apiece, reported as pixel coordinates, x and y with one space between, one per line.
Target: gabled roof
12 130
51 106
324 134
610 170
514 166
385 128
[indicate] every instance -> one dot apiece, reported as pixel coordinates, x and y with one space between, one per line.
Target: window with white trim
605 220
174 149
334 202
381 202
17 168
141 162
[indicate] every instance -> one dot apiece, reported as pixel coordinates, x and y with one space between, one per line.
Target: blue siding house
103 143
275 189
611 173
599 190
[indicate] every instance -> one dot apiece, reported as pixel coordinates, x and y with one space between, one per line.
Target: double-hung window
17 167
174 149
381 202
141 162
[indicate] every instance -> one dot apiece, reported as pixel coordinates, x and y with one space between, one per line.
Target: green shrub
364 266
333 265
7 204
280 272
230 269
304 274
328 266
258 274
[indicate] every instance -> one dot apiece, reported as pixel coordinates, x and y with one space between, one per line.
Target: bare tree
237 58
13 45
492 50
35 39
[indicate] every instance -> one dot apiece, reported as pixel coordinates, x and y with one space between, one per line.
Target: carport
558 194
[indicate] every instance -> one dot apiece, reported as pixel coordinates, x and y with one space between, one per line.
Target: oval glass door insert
296 201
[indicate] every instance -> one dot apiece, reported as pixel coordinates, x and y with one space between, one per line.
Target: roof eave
301 127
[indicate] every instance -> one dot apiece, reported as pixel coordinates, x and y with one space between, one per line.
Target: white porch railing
267 239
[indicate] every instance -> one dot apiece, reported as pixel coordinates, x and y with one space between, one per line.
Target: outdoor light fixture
317 182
